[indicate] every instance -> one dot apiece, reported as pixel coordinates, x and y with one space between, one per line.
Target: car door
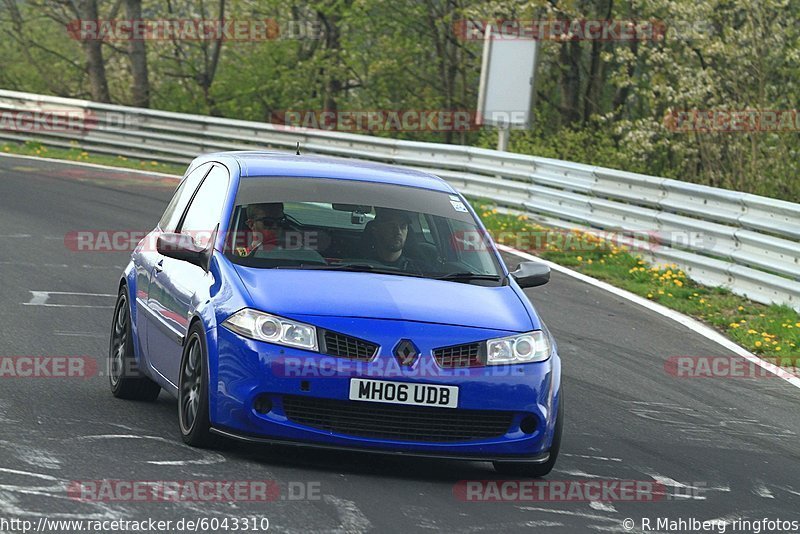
145 257
174 282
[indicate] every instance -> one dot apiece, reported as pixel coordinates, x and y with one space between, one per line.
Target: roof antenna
298 148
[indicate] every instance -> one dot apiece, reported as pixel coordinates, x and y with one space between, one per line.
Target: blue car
325 302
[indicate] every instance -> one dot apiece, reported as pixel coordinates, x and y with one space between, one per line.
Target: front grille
348 347
396 422
459 356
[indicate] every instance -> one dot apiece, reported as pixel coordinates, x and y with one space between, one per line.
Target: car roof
265 163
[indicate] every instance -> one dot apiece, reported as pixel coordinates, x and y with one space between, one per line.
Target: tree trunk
95 66
570 54
137 55
594 85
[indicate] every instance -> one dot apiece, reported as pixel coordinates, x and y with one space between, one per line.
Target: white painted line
692 324
351 519
567 512
588 457
76 293
81 334
41 298
93 165
67 306
601 506
38 298
763 491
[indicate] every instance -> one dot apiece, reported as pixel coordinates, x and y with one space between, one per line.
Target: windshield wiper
352 267
466 276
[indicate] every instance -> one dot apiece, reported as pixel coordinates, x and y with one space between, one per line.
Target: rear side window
176 207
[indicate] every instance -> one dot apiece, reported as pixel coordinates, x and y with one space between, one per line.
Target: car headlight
522 348
273 329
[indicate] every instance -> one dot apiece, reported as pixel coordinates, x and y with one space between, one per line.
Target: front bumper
244 372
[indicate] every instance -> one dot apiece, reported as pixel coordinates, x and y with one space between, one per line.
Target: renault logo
406 352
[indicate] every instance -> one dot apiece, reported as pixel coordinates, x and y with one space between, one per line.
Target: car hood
376 296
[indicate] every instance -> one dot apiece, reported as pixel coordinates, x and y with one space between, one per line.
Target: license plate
403 393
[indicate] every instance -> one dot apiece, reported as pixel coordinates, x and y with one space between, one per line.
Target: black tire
532 470
193 418
124 376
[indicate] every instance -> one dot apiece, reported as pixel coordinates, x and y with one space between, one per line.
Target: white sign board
505 96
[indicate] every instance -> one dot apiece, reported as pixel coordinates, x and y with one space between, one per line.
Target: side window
427 235
205 210
176 206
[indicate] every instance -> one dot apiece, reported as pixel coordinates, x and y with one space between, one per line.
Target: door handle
159 266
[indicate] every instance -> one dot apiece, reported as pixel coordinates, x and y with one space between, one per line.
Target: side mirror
531 274
182 247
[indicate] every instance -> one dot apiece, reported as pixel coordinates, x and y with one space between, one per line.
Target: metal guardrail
747 243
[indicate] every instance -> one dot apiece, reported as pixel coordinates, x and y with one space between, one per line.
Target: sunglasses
269 220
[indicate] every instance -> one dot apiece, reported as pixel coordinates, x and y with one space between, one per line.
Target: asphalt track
723 448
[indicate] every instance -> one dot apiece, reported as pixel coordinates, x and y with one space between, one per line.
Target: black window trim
179 227
183 214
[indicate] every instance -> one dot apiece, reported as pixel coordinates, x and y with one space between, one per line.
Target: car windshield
349 225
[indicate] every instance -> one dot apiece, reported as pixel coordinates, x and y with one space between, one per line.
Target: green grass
772 331
32 148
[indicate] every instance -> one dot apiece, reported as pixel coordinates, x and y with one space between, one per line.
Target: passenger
267 224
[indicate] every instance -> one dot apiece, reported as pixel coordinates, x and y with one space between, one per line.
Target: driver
389 239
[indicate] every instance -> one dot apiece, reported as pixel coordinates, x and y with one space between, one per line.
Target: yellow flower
797 325
660 291
649 295
678 283
777 349
740 308
751 331
734 325
758 343
579 258
702 301
589 261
